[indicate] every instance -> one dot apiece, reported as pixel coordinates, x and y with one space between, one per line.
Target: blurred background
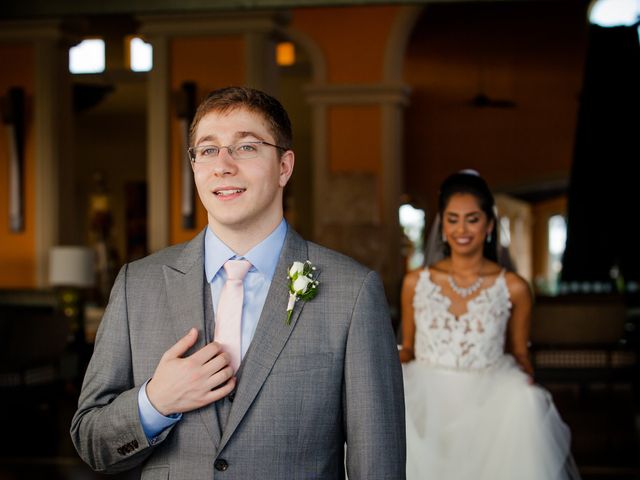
386 99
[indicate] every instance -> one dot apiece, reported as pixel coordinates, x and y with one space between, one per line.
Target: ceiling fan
481 100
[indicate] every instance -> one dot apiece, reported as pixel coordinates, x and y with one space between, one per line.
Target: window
412 221
87 57
140 55
505 231
557 228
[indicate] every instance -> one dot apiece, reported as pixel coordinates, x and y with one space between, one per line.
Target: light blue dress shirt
264 259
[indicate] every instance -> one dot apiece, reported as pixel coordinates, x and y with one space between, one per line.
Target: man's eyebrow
243 134
237 136
204 139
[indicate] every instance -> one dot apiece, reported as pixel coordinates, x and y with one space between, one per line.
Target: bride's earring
489 237
444 237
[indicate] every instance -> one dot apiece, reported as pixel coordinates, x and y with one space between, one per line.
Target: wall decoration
186 106
13 106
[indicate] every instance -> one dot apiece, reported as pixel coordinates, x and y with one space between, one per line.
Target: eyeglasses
239 151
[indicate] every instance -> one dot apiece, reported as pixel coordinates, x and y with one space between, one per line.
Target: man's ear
287 161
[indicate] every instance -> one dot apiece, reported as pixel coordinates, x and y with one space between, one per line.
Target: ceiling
20 9
61 8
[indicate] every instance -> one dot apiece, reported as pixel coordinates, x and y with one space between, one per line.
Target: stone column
357 212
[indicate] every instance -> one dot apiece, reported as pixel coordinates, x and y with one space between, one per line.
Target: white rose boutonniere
302 286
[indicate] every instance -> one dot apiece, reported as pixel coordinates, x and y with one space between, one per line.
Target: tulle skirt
482 425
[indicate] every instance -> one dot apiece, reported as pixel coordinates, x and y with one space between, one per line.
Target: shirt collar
263 257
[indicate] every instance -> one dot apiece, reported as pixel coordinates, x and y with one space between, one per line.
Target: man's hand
183 384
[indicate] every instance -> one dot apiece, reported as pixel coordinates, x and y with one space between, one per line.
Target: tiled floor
605 424
36 444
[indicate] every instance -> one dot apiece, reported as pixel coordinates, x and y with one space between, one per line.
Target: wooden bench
581 340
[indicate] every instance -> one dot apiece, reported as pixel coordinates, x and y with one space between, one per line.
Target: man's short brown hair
230 98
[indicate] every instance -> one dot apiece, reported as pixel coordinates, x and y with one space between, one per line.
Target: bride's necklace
465 292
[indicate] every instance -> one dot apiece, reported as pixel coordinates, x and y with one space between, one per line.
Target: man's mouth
226 192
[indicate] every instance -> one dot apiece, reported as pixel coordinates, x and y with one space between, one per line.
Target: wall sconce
285 54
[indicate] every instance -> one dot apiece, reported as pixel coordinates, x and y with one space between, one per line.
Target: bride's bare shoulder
440 269
518 287
411 278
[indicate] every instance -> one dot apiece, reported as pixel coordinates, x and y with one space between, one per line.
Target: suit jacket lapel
271 334
184 283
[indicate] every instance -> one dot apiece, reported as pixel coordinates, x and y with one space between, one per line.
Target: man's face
241 195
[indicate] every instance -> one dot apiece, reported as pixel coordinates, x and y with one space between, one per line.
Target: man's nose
225 164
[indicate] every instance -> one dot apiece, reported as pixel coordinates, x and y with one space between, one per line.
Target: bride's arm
520 322
408 324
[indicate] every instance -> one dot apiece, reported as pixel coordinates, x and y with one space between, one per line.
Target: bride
473 411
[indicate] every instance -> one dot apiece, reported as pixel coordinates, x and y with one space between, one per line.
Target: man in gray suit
161 392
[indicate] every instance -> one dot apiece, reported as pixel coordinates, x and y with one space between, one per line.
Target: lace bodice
474 340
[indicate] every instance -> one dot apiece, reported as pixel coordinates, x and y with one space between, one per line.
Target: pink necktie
229 314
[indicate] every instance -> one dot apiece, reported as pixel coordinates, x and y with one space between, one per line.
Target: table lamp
71 272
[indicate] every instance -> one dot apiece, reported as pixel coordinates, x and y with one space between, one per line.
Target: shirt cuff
153 422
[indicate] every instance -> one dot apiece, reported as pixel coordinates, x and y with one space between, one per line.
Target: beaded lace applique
473 340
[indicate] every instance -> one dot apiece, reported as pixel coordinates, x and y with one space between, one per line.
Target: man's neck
241 240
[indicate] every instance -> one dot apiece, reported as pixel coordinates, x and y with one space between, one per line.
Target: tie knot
236 269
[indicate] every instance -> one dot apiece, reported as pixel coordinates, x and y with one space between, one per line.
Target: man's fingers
217 363
181 346
220 392
206 353
219 376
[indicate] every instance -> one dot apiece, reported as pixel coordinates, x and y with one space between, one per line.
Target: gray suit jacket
304 389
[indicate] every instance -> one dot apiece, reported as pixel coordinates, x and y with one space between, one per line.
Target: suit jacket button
232 396
221 465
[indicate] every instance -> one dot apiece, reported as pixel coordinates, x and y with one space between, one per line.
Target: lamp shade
71 266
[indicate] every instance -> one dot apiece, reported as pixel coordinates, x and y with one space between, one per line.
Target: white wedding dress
471 413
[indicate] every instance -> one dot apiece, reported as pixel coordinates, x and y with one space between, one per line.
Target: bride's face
465 225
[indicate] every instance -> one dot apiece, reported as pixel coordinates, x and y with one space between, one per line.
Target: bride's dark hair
473 184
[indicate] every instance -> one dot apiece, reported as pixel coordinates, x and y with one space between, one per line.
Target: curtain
604 188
